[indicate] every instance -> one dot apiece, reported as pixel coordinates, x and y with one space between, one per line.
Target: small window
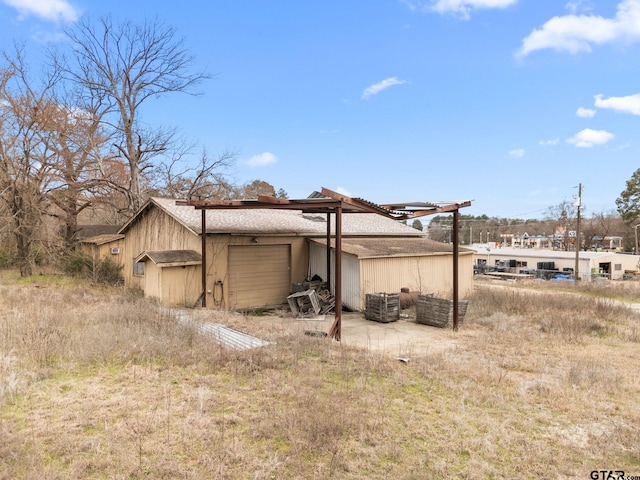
138 268
617 266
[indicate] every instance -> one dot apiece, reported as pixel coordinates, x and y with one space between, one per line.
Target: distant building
611 265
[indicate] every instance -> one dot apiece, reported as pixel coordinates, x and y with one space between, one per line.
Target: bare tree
178 179
25 159
564 216
75 137
256 188
119 67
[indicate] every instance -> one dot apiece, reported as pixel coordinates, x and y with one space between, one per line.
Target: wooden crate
438 312
304 303
382 307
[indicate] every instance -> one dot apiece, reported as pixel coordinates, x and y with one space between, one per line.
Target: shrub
82 265
7 255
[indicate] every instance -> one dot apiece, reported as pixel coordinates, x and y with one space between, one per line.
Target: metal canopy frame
327 201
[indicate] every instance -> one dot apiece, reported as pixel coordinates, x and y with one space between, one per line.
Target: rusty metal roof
328 200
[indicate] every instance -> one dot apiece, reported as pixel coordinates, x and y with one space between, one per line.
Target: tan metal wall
427 274
218 281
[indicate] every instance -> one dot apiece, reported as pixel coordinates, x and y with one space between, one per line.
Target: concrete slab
402 338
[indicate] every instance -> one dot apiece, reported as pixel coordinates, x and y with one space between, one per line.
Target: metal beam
456 254
203 246
328 250
336 329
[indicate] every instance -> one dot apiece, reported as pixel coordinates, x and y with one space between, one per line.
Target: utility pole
578 203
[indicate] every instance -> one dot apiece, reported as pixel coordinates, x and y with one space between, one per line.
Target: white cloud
549 143
53 10
577 33
576 5
516 153
262 160
461 8
585 112
48 37
344 191
628 104
587 138
329 132
622 147
380 86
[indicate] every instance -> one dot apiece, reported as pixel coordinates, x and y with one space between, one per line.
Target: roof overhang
171 258
102 239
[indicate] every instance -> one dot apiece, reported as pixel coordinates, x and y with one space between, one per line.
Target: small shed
172 275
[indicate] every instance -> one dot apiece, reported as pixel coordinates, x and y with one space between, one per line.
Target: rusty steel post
456 251
336 329
204 257
328 279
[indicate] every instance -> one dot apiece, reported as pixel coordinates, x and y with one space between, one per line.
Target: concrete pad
402 338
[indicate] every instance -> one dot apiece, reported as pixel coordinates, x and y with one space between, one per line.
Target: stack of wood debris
311 298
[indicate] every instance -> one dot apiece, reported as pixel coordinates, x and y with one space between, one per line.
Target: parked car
562 277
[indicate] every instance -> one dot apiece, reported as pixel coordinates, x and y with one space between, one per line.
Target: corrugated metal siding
350 273
318 261
351 282
231 338
222 334
429 274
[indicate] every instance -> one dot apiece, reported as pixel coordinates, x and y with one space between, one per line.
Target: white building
610 265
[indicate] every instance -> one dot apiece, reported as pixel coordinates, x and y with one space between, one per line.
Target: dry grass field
99 383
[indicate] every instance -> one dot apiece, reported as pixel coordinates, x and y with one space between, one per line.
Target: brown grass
102 384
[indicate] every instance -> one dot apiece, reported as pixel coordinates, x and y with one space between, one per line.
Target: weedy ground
100 383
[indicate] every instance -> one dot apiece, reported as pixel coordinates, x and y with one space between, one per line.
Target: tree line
73 137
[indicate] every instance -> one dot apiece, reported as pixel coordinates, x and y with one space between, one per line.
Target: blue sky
509 103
